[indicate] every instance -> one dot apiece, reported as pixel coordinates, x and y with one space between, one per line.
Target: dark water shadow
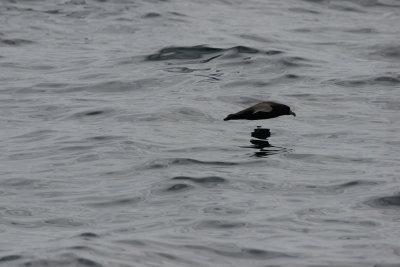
15 42
204 54
385 79
391 201
193 52
260 142
240 252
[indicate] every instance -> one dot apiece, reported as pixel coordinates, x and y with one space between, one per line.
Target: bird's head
287 111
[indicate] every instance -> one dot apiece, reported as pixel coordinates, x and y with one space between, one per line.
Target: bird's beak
292 113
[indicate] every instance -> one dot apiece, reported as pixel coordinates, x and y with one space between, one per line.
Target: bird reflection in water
260 141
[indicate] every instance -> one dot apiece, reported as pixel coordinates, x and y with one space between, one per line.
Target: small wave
78 14
319 158
352 5
151 15
24 183
105 138
183 70
182 183
88 235
386 202
210 180
361 30
178 188
364 223
224 210
293 61
200 51
65 260
113 86
79 148
340 188
284 79
116 202
304 10
186 113
63 222
241 253
257 38
36 135
9 258
52 11
182 52
165 163
388 104
387 79
346 8
170 115
15 42
90 113
55 222
241 100
219 224
19 212
386 52
354 183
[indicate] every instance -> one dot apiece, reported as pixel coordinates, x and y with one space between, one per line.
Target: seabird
261 111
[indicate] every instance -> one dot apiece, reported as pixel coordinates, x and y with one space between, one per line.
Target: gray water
114 152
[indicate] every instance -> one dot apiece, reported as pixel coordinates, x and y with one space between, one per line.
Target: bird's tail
229 117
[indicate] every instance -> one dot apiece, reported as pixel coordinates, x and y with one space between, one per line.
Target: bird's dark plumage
261 111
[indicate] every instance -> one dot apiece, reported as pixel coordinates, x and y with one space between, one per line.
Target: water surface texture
114 152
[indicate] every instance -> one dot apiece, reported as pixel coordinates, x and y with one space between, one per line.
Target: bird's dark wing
262 107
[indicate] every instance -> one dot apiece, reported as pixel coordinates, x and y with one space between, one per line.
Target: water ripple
165 163
10 258
241 253
14 42
120 202
206 181
389 79
197 52
218 224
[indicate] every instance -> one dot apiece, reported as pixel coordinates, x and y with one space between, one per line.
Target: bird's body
261 111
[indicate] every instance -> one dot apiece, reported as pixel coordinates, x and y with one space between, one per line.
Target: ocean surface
114 151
